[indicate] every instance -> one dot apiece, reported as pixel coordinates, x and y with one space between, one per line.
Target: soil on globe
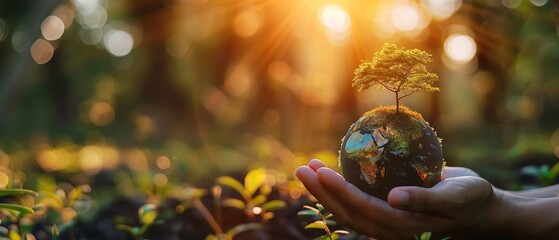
385 149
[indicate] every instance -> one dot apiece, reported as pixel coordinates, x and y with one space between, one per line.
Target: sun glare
405 17
460 48
334 17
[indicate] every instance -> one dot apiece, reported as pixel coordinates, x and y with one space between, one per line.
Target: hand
462 201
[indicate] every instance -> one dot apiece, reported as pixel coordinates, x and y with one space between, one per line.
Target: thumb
449 193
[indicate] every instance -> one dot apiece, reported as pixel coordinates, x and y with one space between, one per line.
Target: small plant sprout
254 192
401 71
147 214
324 220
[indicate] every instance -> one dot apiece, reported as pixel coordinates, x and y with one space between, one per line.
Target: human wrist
519 217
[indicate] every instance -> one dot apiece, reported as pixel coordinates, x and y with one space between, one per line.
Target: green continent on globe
386 149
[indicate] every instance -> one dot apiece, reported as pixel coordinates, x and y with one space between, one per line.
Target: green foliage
427 236
254 192
147 215
57 209
545 175
324 221
401 71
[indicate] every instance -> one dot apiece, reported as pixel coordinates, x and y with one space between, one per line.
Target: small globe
385 149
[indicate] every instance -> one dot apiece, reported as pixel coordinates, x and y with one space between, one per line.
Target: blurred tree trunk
165 102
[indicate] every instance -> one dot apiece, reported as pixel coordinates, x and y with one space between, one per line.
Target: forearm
522 217
544 192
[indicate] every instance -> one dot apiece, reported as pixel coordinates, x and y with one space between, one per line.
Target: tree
401 71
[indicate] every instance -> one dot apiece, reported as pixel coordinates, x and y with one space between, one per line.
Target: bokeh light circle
334 17
119 43
460 48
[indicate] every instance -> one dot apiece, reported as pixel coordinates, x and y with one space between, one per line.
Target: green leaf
13 235
147 214
10 192
232 183
312 209
307 212
316 224
74 195
425 236
530 171
554 171
54 232
274 205
16 207
330 222
243 228
235 203
259 200
253 180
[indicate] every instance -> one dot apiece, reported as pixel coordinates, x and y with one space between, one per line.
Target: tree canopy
399 70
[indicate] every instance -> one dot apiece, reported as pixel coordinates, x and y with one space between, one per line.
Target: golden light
163 162
238 81
137 160
257 210
4 180
52 28
460 48
53 159
160 180
4 159
405 17
334 17
442 9
279 70
42 51
66 14
101 114
90 159
118 43
248 22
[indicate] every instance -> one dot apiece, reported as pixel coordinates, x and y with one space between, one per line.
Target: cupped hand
460 202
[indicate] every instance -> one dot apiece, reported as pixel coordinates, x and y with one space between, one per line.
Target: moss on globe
386 148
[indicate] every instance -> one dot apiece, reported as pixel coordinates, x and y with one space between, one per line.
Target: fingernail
328 173
398 198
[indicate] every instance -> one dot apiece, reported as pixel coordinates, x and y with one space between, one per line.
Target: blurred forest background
188 90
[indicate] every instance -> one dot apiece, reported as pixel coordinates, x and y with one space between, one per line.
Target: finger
448 194
449 172
372 211
315 164
346 215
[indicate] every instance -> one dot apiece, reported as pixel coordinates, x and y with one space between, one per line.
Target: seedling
254 194
147 214
324 220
